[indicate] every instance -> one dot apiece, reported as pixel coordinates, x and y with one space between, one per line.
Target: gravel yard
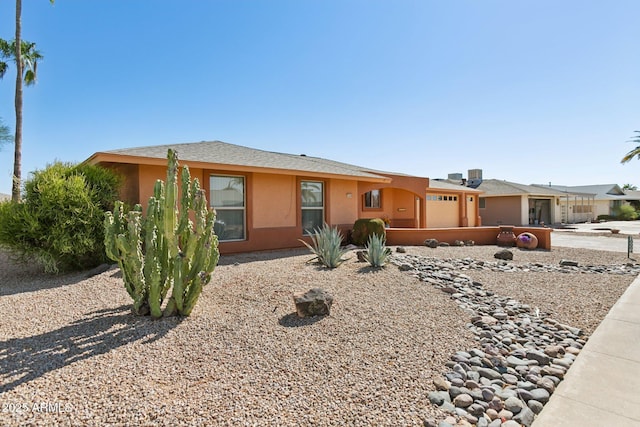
72 354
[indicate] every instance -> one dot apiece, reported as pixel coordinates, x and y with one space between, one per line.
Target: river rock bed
522 353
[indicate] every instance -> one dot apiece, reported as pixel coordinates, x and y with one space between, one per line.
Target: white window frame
243 208
312 208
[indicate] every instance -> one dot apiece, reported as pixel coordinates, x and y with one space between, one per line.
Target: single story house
505 202
268 200
605 199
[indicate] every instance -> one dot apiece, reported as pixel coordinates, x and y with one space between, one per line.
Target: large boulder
365 227
314 302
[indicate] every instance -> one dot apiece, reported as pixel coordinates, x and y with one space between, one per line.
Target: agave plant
377 253
327 246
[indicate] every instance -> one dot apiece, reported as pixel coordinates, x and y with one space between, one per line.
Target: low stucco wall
480 235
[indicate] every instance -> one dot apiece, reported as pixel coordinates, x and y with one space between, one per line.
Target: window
372 199
583 209
482 203
227 197
312 202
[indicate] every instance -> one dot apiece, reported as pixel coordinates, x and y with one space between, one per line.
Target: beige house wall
502 210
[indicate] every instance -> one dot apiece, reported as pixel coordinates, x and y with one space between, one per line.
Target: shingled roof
496 187
218 152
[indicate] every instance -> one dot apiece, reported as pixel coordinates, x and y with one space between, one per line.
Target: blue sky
529 91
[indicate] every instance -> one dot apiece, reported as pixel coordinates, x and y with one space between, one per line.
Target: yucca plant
377 253
327 246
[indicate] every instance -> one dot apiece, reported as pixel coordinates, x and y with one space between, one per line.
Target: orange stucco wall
148 175
343 206
480 235
501 210
273 200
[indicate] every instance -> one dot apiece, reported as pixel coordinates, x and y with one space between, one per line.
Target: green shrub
626 213
326 245
59 222
377 253
364 228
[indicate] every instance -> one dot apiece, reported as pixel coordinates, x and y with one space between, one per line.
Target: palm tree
26 70
30 66
635 152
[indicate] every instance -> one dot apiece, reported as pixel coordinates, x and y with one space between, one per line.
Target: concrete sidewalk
602 388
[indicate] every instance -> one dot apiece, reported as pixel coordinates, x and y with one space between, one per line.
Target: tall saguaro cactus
165 250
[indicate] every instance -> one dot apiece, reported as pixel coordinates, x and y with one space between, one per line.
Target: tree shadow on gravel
292 320
18 277
26 359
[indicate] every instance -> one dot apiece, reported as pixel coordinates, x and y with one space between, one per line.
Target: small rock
542 358
496 404
507 415
401 250
540 394
546 384
554 350
568 263
491 413
535 406
463 400
432 243
525 417
438 397
487 394
504 254
513 405
489 373
441 384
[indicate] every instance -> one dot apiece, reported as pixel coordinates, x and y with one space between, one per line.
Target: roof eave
103 157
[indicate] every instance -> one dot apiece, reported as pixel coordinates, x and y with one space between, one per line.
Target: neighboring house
269 200
505 202
606 198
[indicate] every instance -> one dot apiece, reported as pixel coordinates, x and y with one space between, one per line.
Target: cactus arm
152 261
171 204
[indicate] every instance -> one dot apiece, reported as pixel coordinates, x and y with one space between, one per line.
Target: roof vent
474 183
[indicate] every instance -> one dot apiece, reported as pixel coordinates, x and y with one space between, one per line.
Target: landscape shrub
364 228
626 213
377 253
59 223
327 246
